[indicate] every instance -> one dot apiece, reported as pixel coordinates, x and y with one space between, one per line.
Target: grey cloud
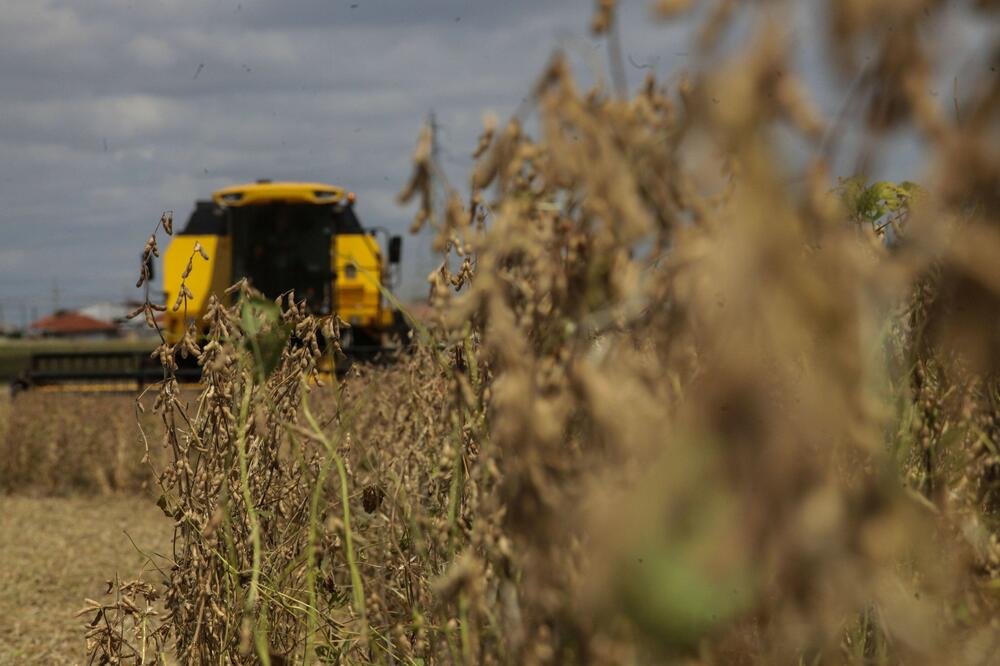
112 111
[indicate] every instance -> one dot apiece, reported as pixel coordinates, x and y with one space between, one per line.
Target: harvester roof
264 192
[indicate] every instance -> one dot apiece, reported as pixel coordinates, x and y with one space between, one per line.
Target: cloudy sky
112 111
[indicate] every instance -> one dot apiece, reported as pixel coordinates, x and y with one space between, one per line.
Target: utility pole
432 122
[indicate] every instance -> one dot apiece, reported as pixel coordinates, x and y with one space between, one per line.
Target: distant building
66 324
117 314
107 311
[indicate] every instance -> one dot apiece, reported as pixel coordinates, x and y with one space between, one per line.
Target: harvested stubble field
67 499
54 553
682 398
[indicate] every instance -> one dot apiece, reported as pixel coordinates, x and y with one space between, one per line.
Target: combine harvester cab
280 236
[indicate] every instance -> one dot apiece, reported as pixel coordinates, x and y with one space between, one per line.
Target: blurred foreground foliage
669 409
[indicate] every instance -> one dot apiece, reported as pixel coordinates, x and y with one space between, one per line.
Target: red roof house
73 324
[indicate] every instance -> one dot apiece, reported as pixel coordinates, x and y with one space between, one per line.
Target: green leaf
327 654
168 510
266 335
873 202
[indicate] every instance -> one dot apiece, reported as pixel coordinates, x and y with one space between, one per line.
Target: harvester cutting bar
131 371
110 371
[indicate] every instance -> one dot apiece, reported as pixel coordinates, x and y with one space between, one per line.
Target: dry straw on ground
673 409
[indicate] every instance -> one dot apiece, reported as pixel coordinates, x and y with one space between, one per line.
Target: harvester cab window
207 219
284 246
345 221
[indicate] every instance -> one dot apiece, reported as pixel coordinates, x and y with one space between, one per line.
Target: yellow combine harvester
281 236
285 236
